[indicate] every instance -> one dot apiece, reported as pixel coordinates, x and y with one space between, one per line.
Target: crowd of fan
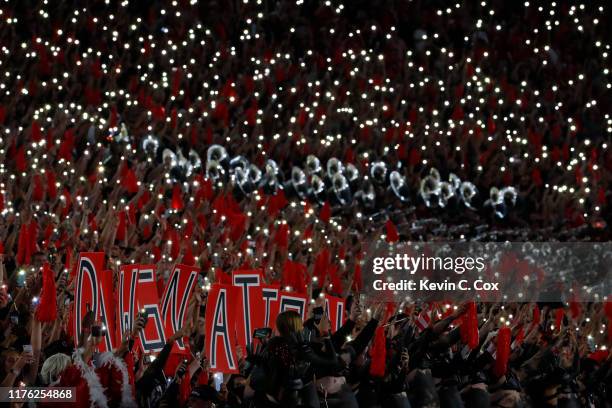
498 93
380 357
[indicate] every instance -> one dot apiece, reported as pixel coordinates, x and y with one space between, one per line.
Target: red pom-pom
294 275
20 160
392 234
38 192
121 227
130 182
47 308
281 238
559 315
536 315
321 266
188 258
378 353
177 198
469 326
325 213
51 187
503 351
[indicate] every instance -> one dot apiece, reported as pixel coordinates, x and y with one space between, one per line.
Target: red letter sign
87 291
220 338
295 302
335 311
251 312
152 338
176 299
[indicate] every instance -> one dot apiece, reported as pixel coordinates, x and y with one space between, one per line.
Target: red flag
423 320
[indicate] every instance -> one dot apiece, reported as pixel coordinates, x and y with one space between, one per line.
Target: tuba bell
313 164
447 192
334 166
341 189
467 192
455 181
217 153
169 158
150 145
506 199
378 172
399 186
351 173
317 188
194 159
367 195
430 189
238 162
298 182
270 180
254 174
214 171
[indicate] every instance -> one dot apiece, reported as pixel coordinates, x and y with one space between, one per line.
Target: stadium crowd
246 134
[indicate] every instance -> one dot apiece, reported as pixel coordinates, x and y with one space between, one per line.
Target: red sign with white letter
250 313
175 302
87 288
153 336
220 338
335 309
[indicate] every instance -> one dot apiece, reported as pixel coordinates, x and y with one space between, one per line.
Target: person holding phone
13 365
153 384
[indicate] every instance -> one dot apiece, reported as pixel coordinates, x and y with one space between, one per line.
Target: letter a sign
220 339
